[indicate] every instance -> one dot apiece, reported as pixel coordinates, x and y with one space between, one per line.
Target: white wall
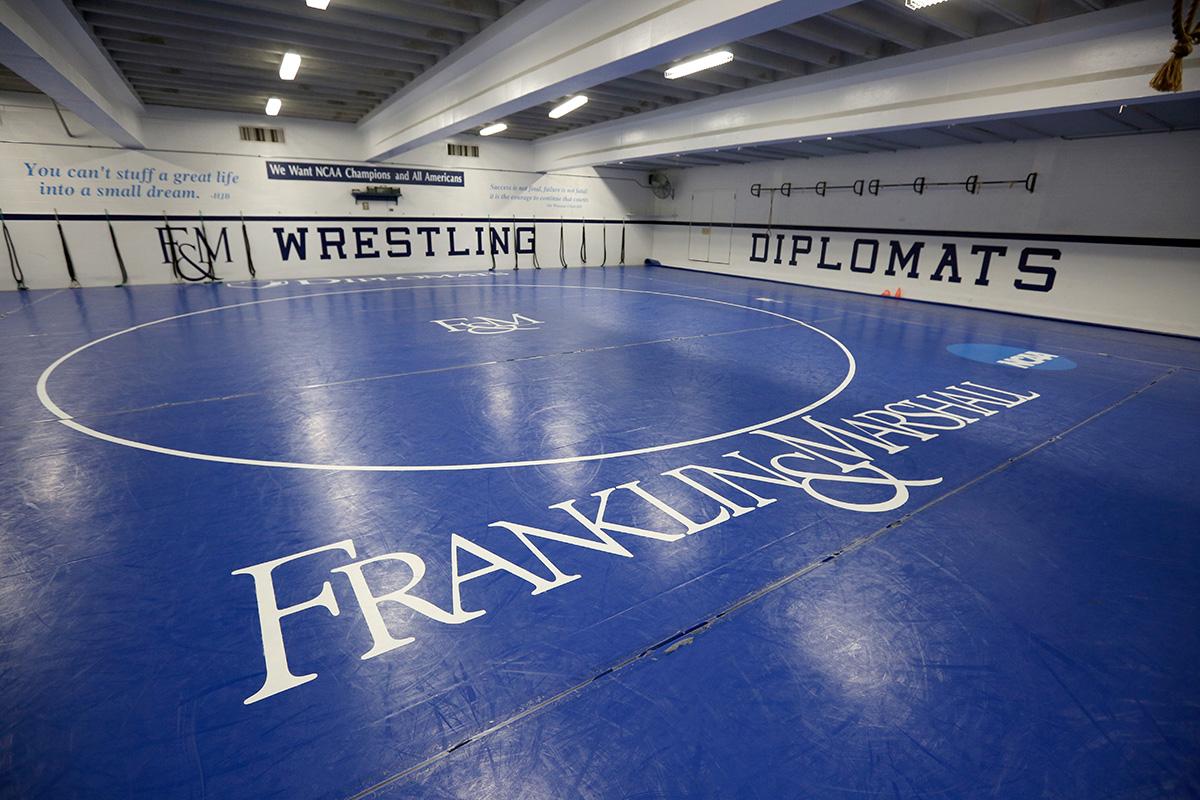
234 182
1142 187
1138 187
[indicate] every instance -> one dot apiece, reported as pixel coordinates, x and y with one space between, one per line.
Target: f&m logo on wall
195 247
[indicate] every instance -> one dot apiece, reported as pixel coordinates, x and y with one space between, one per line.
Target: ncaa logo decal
1007 356
487 326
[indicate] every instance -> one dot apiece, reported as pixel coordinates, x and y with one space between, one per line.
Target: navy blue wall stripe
1142 241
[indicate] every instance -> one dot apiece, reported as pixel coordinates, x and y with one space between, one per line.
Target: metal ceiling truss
224 54
865 31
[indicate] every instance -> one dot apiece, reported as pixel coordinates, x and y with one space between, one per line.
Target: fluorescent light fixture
566 107
273 106
289 66
320 5
490 129
698 64
916 5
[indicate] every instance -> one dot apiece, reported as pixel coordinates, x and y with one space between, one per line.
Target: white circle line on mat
71 422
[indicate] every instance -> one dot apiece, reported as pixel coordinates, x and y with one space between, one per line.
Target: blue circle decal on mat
1008 356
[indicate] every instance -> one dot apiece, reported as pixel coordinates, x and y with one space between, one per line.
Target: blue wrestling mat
624 533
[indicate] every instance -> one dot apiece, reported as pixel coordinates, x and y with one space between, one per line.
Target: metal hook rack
972 183
784 189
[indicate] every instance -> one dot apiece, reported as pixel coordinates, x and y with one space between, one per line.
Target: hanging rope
246 242
209 253
112 234
58 111
14 263
536 265
171 249
562 246
62 237
622 261
491 245
604 238
1169 77
583 244
516 255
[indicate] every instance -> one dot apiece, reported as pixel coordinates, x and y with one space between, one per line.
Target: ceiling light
919 4
829 138
564 108
320 5
490 129
273 106
697 64
289 66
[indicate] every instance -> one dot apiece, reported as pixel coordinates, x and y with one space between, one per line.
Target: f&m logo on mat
489 325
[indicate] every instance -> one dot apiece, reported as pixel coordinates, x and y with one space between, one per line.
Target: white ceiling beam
45 43
1101 58
548 48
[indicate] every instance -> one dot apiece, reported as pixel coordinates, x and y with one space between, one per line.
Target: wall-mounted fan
660 184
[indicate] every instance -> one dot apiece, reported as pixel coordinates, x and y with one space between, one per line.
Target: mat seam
24 306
